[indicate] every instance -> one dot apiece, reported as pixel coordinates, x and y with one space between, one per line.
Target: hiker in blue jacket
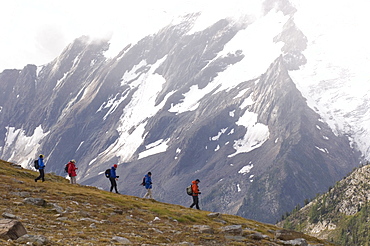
113 177
148 185
41 168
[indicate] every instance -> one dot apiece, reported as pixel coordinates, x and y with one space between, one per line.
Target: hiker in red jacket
72 171
196 192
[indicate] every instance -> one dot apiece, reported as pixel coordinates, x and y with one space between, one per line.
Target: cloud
35 32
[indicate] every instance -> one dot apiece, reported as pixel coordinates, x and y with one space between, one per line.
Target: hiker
113 177
196 192
148 185
72 171
41 169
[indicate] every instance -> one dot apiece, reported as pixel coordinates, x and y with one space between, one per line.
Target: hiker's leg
38 176
146 194
193 204
42 173
197 202
115 185
111 183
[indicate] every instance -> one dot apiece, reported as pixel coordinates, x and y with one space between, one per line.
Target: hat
73 161
42 156
197 180
115 165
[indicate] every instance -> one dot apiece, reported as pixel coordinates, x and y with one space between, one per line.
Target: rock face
182 105
11 229
341 214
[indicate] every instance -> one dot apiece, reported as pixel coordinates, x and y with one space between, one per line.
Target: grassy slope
113 215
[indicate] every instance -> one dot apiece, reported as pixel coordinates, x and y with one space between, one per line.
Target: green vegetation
341 215
355 230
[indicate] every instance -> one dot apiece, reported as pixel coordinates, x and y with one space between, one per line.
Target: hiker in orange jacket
196 192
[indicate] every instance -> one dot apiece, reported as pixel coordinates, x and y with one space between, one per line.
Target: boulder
57 208
9 216
287 235
258 236
186 244
35 201
296 242
213 215
121 240
118 211
33 240
204 228
232 229
11 229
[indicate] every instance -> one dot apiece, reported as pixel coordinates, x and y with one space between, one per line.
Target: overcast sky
35 32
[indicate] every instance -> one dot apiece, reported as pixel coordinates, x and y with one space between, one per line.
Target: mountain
340 215
217 104
57 213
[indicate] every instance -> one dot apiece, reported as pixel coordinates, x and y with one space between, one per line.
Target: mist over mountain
226 103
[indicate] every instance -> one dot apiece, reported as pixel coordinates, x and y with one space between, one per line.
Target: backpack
107 173
143 183
66 168
36 164
189 190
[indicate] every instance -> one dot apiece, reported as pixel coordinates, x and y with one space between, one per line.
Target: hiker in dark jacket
41 168
72 171
148 185
113 177
196 192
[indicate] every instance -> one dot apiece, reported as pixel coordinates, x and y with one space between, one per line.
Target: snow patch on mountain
246 169
136 114
16 141
256 135
217 137
241 93
113 103
154 148
254 42
324 150
247 102
335 79
217 148
133 75
191 100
